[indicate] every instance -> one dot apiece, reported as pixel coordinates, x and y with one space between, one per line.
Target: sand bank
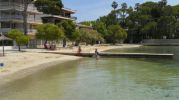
91 49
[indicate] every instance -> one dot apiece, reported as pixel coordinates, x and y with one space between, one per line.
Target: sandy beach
91 49
21 64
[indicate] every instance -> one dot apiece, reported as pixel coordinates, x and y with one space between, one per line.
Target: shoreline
47 60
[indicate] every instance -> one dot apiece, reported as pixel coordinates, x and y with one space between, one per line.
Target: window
5 25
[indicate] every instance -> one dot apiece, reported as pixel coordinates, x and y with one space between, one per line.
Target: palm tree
137 6
114 5
163 3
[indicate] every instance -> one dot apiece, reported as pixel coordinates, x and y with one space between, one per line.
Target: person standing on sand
96 54
79 50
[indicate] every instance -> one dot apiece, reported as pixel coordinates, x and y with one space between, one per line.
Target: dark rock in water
167 95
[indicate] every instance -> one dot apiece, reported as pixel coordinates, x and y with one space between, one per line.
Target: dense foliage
49 6
111 31
49 32
116 34
69 28
90 36
150 20
19 37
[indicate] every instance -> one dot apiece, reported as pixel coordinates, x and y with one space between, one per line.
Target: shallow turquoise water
103 79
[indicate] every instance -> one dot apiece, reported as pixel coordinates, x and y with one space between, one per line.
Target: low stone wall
6 48
11 47
161 41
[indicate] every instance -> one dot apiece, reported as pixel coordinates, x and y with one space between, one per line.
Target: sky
88 10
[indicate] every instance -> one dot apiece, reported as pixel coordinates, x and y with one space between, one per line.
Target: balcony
53 18
4 30
9 17
74 18
68 10
28 31
18 7
19 18
9 6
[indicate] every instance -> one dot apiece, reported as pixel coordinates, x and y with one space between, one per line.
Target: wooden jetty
119 55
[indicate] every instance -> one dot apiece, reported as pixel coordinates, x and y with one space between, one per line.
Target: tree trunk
64 42
77 43
45 44
26 2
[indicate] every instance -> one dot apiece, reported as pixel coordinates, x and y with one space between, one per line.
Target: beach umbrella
2 38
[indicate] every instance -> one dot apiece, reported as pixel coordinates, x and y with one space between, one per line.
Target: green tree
123 11
166 26
162 3
110 19
130 10
142 22
147 20
177 29
22 40
176 11
167 11
114 5
69 28
137 5
149 30
101 28
95 37
19 37
116 34
90 36
76 37
49 32
155 13
87 23
49 6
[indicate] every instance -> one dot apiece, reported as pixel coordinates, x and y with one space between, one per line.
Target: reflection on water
104 79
